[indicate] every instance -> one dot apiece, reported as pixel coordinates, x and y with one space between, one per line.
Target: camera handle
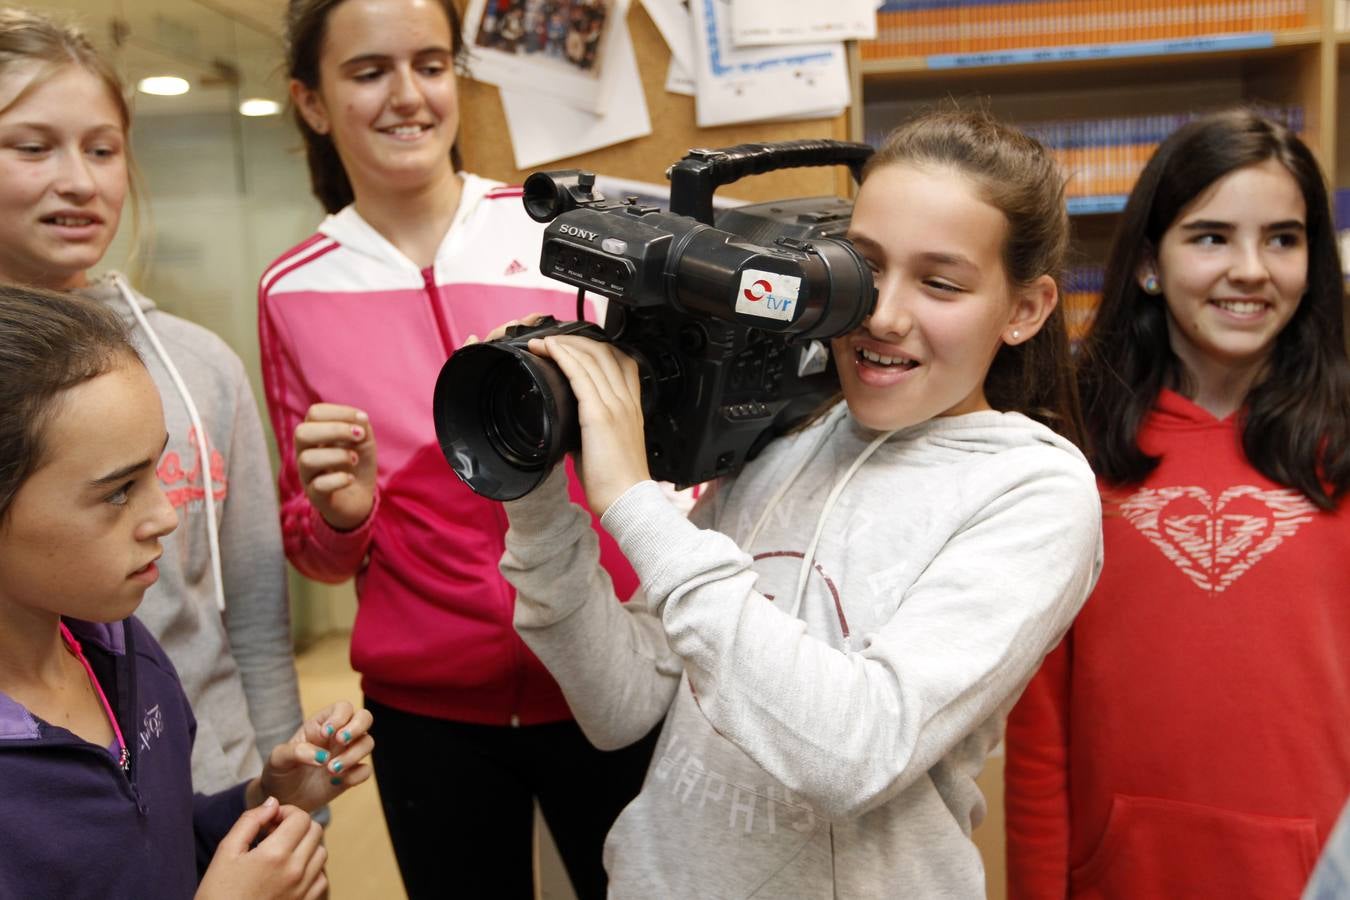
694 179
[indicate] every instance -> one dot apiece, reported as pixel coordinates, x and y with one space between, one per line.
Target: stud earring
1016 335
1151 285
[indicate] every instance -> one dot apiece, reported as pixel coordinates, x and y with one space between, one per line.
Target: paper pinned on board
543 130
749 84
678 79
671 18
760 22
566 53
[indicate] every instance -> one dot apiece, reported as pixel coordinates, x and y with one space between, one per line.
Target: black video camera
726 322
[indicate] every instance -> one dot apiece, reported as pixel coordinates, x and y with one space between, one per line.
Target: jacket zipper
447 345
433 298
126 691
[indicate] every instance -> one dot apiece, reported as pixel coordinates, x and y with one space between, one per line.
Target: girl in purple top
95 731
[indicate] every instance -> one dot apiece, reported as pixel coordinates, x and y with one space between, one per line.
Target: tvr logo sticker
757 290
768 295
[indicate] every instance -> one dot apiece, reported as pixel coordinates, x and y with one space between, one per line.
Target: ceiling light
163 85
259 106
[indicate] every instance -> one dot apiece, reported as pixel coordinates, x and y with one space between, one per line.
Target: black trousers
458 799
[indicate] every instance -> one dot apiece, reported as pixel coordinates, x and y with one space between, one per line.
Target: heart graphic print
1216 541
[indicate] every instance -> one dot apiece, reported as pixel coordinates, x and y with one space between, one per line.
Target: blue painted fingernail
328 730
335 781
337 765
321 756
346 736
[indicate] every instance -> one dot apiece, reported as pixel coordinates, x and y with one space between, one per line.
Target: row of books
1102 158
907 28
1081 287
1080 292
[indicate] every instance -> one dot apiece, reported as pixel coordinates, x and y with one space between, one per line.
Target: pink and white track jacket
344 317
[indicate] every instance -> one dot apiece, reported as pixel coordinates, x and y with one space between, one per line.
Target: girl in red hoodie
1189 737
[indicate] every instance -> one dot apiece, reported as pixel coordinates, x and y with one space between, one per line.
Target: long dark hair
306 28
1296 420
49 343
1016 175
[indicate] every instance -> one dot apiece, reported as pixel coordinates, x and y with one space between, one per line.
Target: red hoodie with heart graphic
1191 735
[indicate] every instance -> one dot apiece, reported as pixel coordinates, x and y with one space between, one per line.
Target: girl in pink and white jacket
355 324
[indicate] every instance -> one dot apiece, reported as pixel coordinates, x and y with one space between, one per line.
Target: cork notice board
485 142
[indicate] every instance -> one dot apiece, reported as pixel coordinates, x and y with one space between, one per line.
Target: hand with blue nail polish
328 755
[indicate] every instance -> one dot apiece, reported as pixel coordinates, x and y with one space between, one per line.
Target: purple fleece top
72 824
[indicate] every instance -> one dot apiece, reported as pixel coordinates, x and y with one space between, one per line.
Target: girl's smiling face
944 303
82 534
386 92
1233 267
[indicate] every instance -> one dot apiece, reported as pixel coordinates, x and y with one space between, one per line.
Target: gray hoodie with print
823 746
237 667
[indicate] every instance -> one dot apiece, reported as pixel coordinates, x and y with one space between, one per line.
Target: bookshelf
1103 82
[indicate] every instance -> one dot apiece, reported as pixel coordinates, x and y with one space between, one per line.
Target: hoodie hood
948 438
348 228
105 290
110 636
1174 412
935 443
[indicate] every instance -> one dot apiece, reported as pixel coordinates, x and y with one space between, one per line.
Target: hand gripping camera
726 321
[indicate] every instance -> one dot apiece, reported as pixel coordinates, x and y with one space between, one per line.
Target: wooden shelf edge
1301 37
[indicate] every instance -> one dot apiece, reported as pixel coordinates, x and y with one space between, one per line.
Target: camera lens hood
504 418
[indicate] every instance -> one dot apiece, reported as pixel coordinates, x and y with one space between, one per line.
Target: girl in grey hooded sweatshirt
834 637
220 607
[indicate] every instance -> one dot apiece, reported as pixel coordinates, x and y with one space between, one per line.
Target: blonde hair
27 36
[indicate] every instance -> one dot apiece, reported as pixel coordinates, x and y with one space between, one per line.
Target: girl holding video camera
833 639
1172 745
355 323
96 731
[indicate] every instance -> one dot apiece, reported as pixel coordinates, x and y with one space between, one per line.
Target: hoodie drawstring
809 557
838 489
203 448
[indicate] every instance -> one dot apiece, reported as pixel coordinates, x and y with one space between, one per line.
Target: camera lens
514 415
504 417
